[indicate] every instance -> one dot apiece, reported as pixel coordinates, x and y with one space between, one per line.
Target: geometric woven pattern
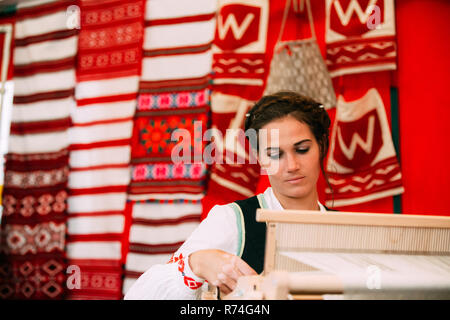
298 66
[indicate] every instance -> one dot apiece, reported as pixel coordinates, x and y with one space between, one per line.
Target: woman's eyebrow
295 144
300 142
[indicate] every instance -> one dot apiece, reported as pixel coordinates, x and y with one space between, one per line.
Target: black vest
255 234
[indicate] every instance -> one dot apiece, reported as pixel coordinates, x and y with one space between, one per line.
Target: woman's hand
219 268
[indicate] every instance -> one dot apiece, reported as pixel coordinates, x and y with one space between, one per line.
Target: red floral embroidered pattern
153 135
36 179
42 205
182 99
188 281
110 40
164 171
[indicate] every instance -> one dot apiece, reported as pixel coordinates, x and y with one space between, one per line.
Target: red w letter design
358 142
349 17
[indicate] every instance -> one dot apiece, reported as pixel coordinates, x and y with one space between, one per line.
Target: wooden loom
315 255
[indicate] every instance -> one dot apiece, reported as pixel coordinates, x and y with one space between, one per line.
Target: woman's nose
292 162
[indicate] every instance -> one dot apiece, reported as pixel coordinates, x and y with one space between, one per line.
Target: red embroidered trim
188 281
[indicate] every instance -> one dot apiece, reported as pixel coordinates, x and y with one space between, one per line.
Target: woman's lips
295 180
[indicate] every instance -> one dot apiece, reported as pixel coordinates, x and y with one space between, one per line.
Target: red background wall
424 104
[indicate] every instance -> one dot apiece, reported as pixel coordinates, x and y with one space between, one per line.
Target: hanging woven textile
240 67
168 183
362 163
360 36
109 62
37 163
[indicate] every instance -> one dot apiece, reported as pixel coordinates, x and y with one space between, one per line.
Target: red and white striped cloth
37 166
157 230
164 196
109 61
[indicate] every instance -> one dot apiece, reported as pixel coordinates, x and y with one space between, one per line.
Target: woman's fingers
230 282
224 283
222 269
237 268
231 271
244 268
224 289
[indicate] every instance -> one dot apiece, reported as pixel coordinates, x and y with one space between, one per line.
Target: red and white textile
240 44
362 163
7 22
174 96
157 231
360 36
109 62
242 49
37 166
110 39
234 174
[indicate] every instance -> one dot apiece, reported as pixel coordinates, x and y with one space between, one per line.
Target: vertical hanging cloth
174 100
7 20
360 36
108 69
240 44
361 53
240 67
37 167
362 163
173 94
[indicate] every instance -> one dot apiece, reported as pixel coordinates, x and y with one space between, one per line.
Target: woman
229 243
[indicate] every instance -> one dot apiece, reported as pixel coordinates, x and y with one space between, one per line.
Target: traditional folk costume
231 228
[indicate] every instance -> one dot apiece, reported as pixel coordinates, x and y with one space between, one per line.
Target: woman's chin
296 193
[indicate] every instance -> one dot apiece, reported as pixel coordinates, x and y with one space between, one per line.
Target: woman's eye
274 156
305 150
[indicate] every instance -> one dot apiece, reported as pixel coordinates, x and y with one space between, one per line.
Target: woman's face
291 159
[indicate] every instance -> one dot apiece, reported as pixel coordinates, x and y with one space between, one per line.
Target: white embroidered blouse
175 280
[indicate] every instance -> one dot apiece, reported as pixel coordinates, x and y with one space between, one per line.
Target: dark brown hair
287 103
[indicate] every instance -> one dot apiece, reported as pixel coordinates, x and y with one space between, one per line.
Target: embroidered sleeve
190 280
175 279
